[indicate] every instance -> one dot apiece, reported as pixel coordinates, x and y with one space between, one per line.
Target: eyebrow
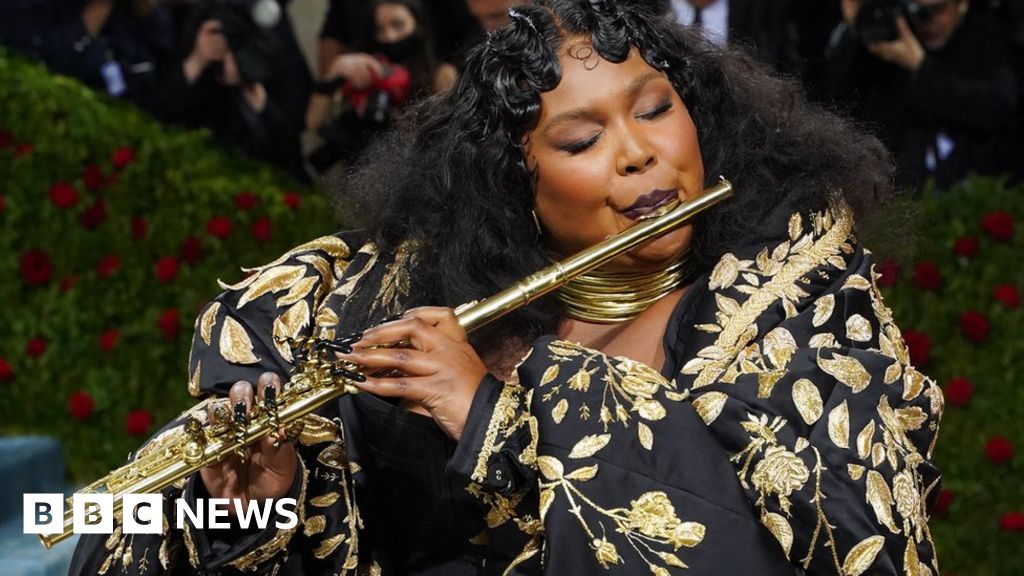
585 113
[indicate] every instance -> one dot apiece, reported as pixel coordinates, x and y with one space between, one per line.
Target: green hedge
114 230
53 130
955 294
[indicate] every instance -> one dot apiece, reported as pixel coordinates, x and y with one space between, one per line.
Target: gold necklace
609 297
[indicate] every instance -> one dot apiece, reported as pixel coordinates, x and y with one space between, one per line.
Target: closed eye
578 146
664 107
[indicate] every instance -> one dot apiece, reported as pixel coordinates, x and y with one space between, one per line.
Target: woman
361 91
753 411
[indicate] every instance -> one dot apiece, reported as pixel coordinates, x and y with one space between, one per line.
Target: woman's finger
406 360
442 318
414 388
269 388
420 334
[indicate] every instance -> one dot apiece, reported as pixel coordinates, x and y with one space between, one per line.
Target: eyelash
574 148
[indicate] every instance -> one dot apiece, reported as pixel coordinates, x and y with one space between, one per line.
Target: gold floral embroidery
235 344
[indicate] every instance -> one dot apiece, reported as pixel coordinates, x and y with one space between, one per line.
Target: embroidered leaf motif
913 384
325 500
855 471
649 409
547 496
862 555
550 467
710 405
207 322
290 325
892 374
911 418
825 340
645 434
235 345
823 308
727 305
780 528
880 498
589 445
724 273
580 381
864 440
796 225
808 400
272 280
847 370
328 546
550 374
839 425
558 412
858 328
562 348
582 474
193 382
671 560
857 282
300 290
779 347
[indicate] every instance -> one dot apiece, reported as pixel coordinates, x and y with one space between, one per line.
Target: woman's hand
850 9
267 472
210 46
360 69
439 371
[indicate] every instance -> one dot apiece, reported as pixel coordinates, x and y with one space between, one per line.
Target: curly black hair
453 175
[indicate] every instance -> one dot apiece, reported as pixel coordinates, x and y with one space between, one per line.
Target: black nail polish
240 417
356 376
353 337
392 318
270 395
337 346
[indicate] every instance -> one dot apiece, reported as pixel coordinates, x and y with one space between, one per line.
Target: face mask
402 50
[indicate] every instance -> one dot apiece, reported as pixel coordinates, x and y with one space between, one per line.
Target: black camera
248 30
876 21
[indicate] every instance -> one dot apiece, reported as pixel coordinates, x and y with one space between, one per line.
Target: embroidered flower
605 552
908 499
780 472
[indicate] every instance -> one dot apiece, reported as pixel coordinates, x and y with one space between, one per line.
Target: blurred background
151 148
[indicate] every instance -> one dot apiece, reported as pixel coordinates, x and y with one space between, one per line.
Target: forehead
389 11
589 81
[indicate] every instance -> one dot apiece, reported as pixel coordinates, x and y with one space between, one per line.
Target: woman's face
614 142
394 22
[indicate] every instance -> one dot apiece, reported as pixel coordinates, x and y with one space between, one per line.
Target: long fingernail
342 347
240 417
270 395
391 318
356 376
353 337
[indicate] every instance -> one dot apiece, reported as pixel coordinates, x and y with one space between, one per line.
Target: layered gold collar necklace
609 297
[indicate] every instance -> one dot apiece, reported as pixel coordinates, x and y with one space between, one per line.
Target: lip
650 202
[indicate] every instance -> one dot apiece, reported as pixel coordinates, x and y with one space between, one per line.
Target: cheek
569 187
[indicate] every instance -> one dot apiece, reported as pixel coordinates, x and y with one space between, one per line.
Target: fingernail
391 318
269 394
353 337
355 376
240 412
337 346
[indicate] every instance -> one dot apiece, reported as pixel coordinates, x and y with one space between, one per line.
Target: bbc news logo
143 513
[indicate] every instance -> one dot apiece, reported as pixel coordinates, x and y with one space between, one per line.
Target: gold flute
320 377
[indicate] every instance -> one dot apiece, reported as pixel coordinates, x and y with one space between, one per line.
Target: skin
394 22
909 49
607 134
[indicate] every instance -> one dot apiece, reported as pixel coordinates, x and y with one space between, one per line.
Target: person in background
768 27
121 47
231 84
937 80
360 92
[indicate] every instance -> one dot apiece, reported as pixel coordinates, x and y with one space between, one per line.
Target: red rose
245 201
191 250
92 177
919 346
80 405
109 339
123 156
927 276
261 229
958 392
998 224
1008 295
888 273
63 195
137 422
35 348
998 450
966 247
36 267
292 199
139 228
6 371
166 269
94 215
974 326
108 266
168 323
24 149
68 282
1012 522
943 501
6 139
219 227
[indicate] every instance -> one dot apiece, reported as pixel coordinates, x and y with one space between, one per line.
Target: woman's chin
655 254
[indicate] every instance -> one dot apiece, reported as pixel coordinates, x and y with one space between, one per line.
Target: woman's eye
579 145
664 107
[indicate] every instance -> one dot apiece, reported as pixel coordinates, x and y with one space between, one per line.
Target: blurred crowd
941 82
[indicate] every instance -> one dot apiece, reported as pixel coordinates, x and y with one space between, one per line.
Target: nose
635 155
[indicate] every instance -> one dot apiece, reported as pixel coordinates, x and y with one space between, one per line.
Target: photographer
118 46
361 92
224 84
937 80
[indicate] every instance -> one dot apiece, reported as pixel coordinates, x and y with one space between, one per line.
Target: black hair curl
453 176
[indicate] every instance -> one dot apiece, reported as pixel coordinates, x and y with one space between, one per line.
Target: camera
876 21
247 26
